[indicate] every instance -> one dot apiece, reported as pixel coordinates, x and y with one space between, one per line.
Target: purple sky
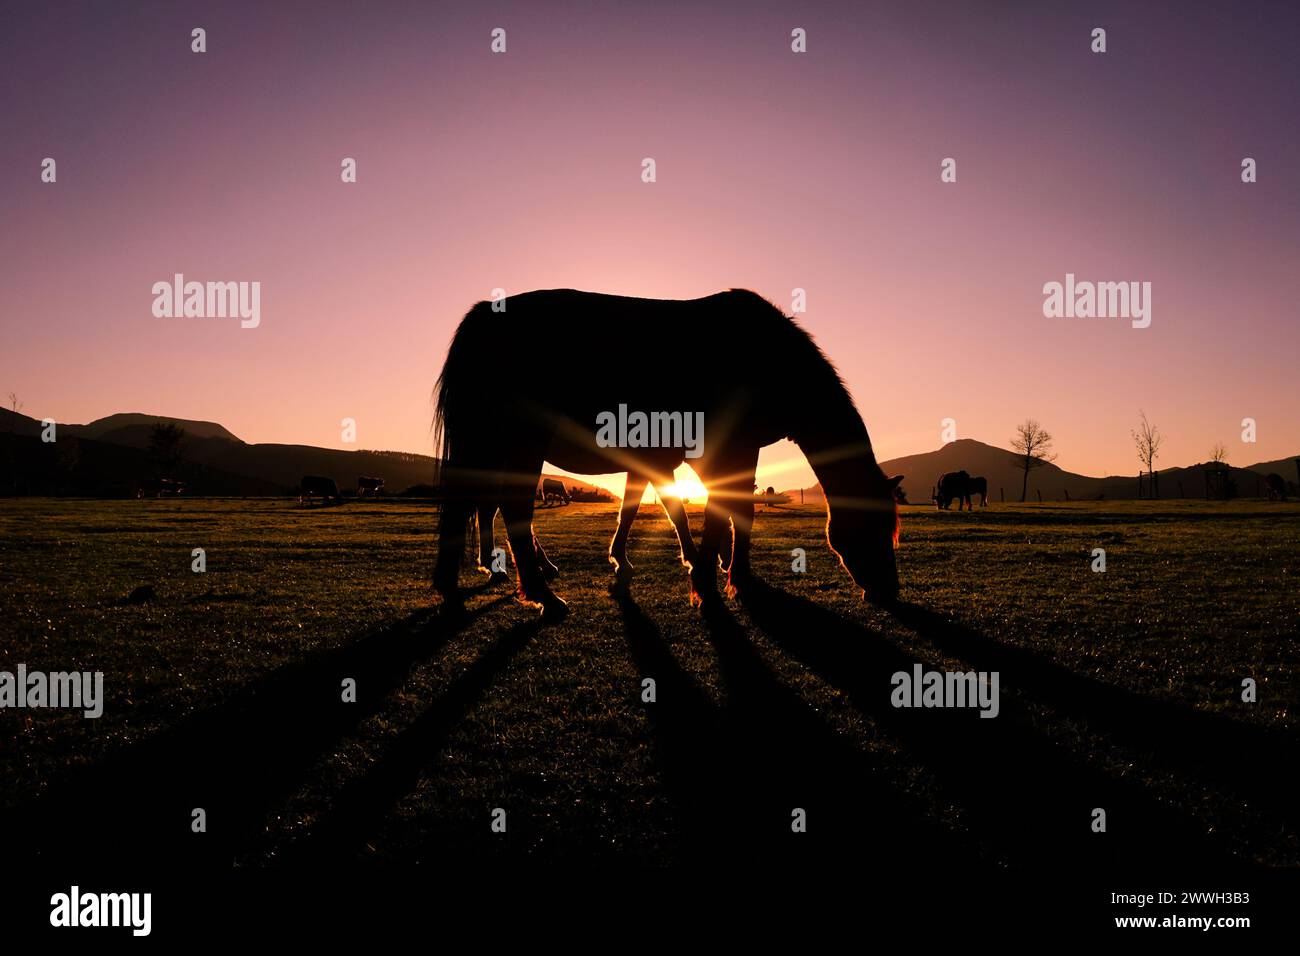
775 171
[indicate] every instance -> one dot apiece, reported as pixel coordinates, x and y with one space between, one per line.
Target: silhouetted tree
1148 440
167 445
1033 444
16 405
1219 453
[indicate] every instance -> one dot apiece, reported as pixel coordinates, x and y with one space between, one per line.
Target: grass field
1120 690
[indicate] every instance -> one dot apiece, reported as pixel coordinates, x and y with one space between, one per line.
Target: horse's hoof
554 610
706 600
451 609
738 583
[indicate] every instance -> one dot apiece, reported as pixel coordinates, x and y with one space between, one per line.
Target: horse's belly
588 458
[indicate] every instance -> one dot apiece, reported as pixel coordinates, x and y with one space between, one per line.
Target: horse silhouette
760 378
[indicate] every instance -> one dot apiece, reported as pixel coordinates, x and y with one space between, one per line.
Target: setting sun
689 488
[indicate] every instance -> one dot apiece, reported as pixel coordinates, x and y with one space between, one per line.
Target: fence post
1040 495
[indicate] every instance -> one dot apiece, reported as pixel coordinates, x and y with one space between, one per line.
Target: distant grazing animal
961 486
369 486
553 490
314 485
547 395
1276 486
160 488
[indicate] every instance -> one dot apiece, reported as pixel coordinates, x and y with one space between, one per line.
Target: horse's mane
800 350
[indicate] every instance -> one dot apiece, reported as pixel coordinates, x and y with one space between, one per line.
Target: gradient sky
775 171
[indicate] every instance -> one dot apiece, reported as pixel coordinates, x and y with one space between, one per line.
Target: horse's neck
838 449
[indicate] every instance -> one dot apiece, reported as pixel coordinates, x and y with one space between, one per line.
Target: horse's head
864 536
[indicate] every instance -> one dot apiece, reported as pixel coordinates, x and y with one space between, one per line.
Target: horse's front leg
704 570
739 574
731 501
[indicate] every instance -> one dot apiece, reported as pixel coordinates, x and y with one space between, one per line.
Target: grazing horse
961 486
369 486
548 396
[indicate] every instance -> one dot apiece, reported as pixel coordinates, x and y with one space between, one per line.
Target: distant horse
1276 486
313 485
547 394
961 486
369 486
553 490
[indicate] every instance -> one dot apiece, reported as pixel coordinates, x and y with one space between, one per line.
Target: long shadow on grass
359 809
237 761
1025 795
736 774
1252 761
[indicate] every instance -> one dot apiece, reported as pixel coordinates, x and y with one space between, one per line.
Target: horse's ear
894 482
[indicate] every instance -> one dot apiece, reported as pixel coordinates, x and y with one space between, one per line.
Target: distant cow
314 485
553 490
1276 486
369 486
960 485
162 487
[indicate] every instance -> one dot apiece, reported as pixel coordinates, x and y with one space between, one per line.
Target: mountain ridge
273 467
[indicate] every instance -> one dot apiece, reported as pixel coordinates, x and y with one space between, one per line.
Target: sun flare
692 489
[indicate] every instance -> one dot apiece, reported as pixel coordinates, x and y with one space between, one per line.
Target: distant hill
137 423
1286 467
85 467
1005 476
215 460
111 454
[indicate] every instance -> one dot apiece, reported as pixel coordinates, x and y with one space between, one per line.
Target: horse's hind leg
549 570
632 493
517 510
453 520
676 511
486 516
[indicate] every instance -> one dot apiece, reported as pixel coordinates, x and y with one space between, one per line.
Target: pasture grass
1130 677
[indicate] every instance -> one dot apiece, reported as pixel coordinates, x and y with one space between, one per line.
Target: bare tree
16 405
1148 440
167 445
1034 445
1219 453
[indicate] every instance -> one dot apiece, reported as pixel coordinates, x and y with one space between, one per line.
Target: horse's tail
456 433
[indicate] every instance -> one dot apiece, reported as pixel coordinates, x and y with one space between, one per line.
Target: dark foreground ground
1119 690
